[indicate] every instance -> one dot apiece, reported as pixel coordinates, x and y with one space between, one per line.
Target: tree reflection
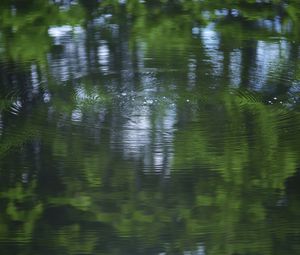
161 129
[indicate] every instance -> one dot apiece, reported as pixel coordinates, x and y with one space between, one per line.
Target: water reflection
69 59
129 132
148 136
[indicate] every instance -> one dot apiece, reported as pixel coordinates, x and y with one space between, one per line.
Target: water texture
149 127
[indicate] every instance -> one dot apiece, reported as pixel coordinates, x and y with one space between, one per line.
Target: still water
152 127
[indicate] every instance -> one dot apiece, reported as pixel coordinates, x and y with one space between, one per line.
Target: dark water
160 127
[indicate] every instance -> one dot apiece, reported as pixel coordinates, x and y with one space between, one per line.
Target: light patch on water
102 19
99 21
114 28
149 82
192 77
141 47
210 37
295 88
46 97
235 12
147 140
206 14
61 69
80 94
272 25
72 58
196 30
84 98
76 115
55 31
211 41
222 12
107 15
78 30
267 56
65 5
24 177
149 101
158 160
34 79
136 134
16 107
235 68
287 26
169 119
58 33
13 10
277 24
199 251
103 56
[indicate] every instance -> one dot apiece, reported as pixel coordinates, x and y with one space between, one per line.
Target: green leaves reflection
223 199
24 28
68 188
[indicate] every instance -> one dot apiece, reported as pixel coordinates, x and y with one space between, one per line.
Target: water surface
149 128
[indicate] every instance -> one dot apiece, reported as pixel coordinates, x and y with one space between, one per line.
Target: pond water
149 127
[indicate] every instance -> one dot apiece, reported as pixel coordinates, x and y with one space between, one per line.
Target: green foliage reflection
73 176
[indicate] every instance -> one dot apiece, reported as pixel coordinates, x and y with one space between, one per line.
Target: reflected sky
143 99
